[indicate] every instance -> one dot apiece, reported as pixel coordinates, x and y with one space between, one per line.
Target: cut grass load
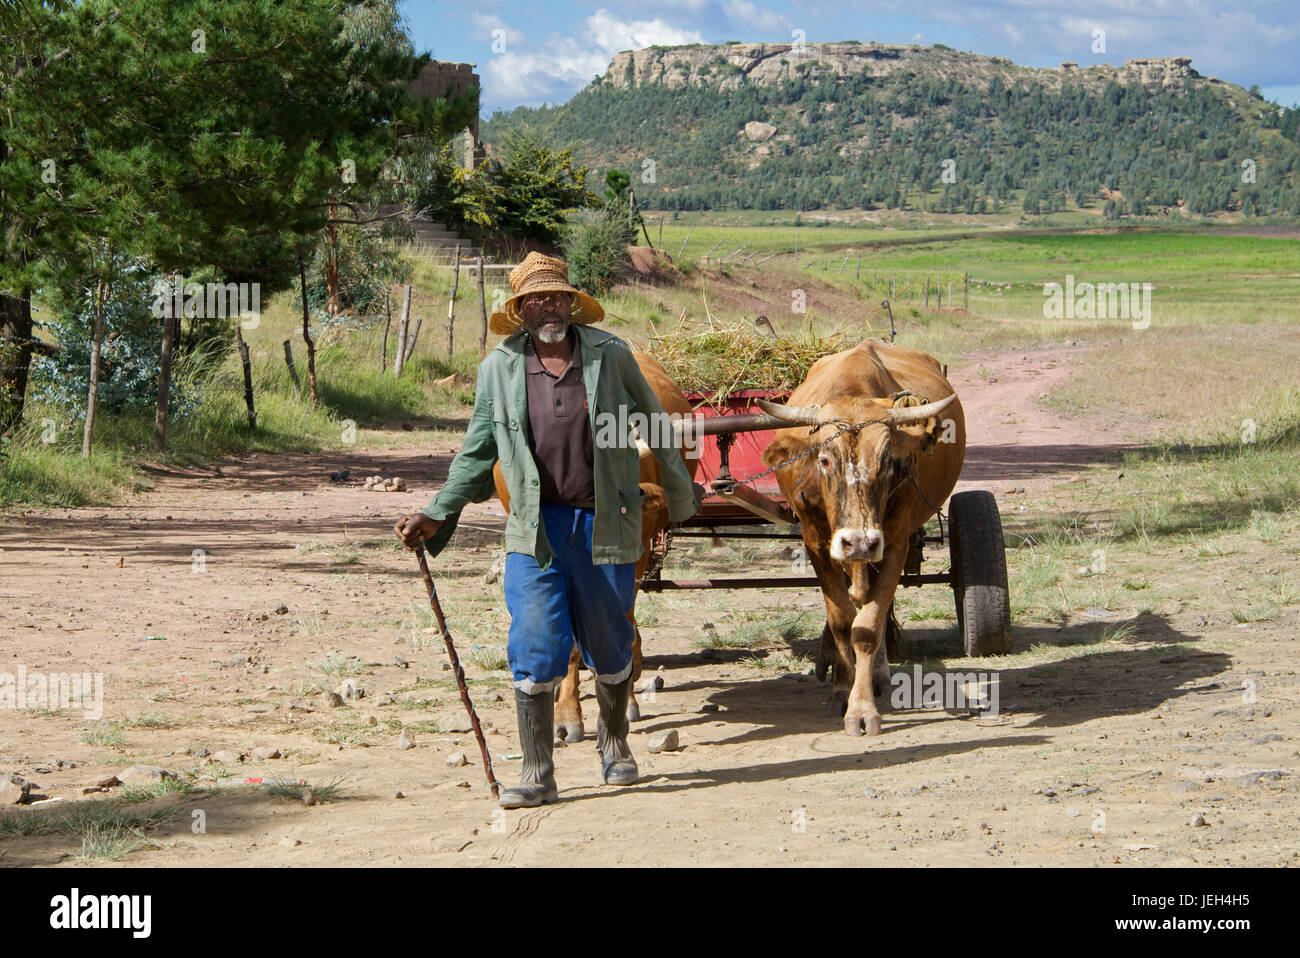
732 357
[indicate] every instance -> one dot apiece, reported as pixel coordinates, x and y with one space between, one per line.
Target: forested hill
773 126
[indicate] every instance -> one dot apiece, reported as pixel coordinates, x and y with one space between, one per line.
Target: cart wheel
979 573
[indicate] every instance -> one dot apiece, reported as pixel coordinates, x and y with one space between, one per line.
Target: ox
654 520
860 497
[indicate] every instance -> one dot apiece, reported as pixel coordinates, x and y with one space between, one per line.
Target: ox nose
858 544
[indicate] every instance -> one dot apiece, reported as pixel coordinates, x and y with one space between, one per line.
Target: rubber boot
536 786
616 761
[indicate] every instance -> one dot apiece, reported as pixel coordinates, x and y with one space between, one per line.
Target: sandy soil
1104 759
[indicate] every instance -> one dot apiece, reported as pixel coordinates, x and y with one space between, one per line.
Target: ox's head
855 473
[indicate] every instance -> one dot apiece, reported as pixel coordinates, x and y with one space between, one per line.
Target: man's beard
539 331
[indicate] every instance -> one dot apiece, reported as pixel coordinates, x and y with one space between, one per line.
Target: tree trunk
388 311
403 327
333 298
15 356
92 396
306 335
165 376
248 376
293 370
451 303
482 308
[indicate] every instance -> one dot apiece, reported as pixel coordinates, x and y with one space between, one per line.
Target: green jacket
498 430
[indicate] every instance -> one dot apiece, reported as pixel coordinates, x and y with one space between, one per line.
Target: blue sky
547 51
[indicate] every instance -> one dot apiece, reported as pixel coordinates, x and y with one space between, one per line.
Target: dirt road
219 606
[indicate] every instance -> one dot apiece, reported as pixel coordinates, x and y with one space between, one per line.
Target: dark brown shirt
559 428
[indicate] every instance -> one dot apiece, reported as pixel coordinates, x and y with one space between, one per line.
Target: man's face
547 316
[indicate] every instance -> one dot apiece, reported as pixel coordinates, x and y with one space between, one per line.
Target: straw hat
542 274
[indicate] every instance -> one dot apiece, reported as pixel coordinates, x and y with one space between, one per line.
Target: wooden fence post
248 375
410 340
403 327
293 370
451 303
482 307
688 239
383 353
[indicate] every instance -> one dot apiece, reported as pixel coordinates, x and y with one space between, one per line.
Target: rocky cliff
727 66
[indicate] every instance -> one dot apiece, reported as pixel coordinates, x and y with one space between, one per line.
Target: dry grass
1190 383
730 357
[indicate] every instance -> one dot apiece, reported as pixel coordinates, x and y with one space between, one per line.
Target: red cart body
747 448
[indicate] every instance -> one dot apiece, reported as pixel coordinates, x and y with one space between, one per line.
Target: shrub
595 247
368 265
130 353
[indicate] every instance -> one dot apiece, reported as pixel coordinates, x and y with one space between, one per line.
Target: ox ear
914 438
781 449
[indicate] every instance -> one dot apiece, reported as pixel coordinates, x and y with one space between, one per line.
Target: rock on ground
453 722
13 789
663 741
144 775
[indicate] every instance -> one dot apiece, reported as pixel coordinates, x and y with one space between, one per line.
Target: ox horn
795 415
902 415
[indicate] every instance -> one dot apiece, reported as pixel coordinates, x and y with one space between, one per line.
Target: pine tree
211 133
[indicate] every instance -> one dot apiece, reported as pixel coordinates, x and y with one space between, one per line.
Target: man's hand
700 495
414 529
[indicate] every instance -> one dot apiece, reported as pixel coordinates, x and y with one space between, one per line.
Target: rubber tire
979 573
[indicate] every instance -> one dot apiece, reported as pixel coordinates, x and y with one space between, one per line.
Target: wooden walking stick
460 673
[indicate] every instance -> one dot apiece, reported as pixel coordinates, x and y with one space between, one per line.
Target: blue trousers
573 600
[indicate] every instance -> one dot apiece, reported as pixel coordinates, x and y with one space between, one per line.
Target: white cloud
750 16
552 74
566 64
612 35
490 22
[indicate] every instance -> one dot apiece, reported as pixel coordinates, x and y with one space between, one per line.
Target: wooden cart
735 433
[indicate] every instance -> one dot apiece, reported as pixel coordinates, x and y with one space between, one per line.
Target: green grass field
1203 285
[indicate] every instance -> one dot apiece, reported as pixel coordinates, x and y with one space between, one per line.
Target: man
574 530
